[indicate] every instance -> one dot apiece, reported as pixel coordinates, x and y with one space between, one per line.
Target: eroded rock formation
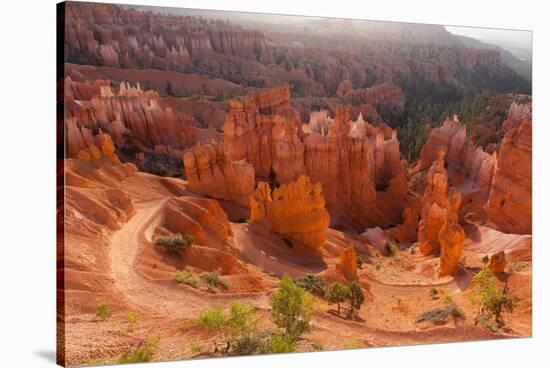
517 112
211 173
263 129
121 37
295 210
451 238
435 202
200 217
347 263
385 96
131 116
497 262
439 230
462 153
352 159
510 200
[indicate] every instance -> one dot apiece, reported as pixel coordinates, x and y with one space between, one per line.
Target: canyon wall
437 62
510 200
263 129
462 154
131 116
353 160
110 35
381 96
212 174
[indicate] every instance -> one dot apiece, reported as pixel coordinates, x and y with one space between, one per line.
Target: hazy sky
501 37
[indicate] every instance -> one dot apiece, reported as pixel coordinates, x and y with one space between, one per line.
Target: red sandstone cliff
510 201
385 95
351 159
211 173
263 129
462 154
128 115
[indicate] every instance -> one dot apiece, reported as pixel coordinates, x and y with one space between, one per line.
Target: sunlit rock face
462 153
451 238
211 173
439 230
352 159
295 210
509 206
347 263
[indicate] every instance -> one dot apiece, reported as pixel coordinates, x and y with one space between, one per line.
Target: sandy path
141 293
185 302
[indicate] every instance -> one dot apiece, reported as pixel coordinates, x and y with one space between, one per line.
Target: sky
507 39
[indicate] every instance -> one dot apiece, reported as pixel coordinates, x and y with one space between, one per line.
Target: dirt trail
185 302
177 301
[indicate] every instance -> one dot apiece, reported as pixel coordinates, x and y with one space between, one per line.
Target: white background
27 180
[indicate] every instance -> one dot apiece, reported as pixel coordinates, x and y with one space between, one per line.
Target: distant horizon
508 39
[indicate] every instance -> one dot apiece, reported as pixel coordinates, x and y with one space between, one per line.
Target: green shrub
291 308
214 320
239 328
337 293
175 243
103 311
195 348
313 284
356 296
132 318
489 297
440 316
279 344
359 261
243 328
142 353
186 278
214 280
485 259
317 345
354 344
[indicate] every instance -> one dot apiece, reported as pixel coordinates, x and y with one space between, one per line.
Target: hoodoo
295 210
211 173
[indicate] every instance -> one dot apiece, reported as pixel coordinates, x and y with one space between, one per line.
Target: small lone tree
215 320
239 328
243 333
489 297
359 261
356 296
291 308
337 293
103 310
